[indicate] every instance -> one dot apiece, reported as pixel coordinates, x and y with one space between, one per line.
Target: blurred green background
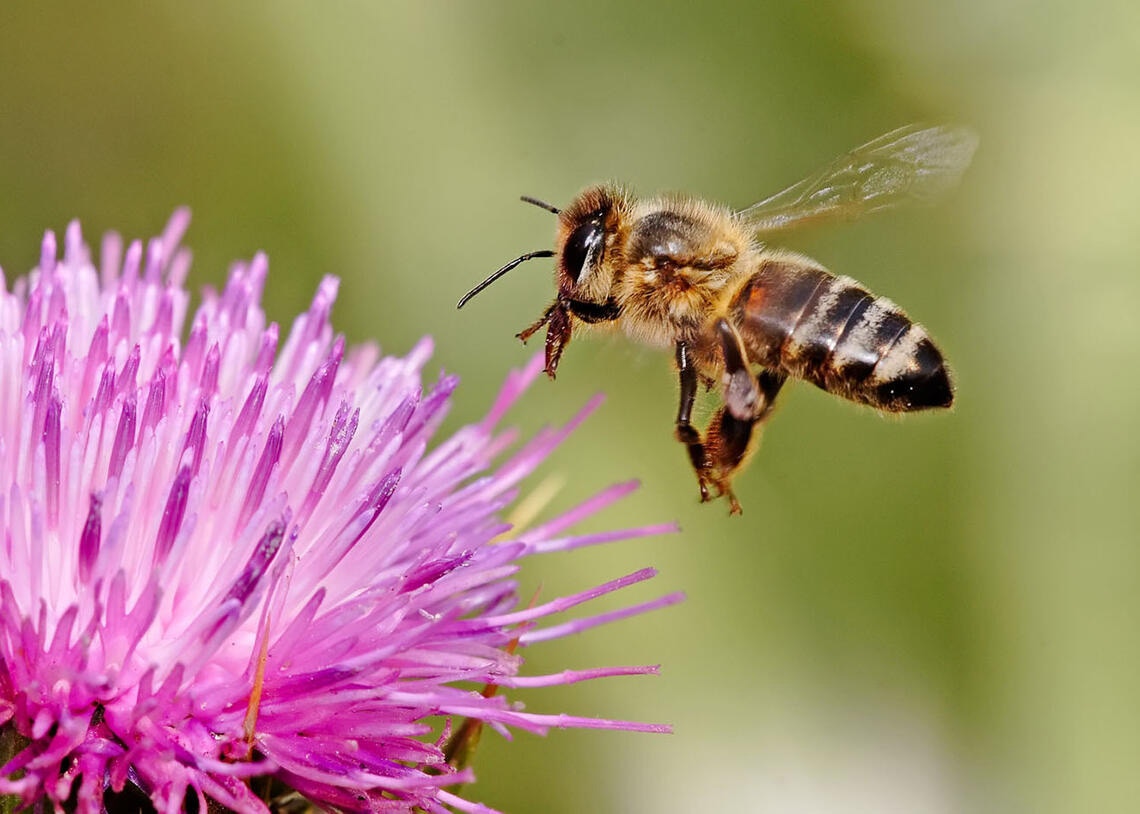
935 614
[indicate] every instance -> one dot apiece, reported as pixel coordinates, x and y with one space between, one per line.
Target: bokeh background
936 614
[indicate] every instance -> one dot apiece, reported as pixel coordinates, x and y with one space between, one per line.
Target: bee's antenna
541 204
501 272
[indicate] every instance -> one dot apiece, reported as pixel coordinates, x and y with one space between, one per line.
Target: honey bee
680 273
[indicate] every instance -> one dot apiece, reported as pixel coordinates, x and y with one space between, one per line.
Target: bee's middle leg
683 429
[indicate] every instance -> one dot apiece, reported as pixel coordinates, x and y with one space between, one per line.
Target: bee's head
586 239
587 242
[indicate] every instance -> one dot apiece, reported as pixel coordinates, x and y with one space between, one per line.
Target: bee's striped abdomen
830 331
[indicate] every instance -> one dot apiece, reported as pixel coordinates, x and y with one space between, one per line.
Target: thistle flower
223 559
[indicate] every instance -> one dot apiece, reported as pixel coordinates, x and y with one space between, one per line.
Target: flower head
226 557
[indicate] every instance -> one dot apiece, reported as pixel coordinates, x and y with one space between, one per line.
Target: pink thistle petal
576 676
270 455
124 438
51 457
90 538
243 555
582 625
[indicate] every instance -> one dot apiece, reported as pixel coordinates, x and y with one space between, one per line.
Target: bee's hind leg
747 397
726 441
748 401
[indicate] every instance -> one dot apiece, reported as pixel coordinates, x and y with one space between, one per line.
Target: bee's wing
908 165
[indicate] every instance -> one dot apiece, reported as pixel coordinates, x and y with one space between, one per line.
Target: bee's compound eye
583 245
